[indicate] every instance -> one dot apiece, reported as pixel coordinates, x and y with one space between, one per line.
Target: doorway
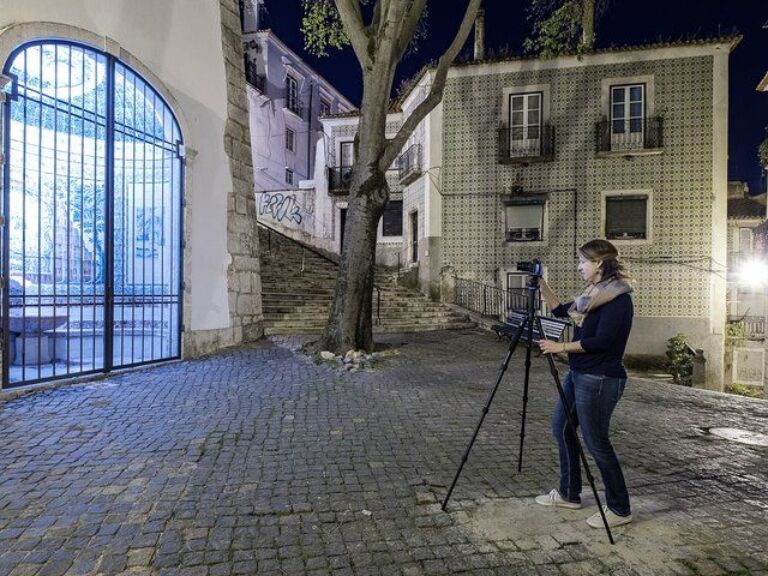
92 200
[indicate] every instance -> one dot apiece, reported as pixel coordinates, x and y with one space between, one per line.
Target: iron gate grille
93 183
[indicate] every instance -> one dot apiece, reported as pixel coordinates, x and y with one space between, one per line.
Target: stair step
298 286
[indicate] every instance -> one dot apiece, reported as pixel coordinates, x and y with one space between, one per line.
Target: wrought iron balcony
645 134
517 146
409 164
339 179
252 76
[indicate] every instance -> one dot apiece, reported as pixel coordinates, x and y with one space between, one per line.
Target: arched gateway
92 201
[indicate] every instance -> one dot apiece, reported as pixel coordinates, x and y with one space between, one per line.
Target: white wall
176 45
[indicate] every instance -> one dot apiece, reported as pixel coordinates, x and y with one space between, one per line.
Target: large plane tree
380 32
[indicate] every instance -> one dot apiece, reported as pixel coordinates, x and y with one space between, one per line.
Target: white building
286 97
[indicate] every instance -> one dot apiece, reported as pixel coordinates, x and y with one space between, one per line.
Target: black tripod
531 322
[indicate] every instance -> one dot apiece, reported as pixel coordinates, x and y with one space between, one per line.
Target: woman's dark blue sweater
603 337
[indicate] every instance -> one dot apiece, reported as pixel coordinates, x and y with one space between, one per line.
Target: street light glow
754 272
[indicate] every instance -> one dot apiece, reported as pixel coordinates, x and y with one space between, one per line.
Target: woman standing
602 319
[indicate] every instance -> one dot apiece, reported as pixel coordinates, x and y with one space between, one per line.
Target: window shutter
626 216
525 221
524 216
392 221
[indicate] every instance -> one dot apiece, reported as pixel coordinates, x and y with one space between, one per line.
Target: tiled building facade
531 158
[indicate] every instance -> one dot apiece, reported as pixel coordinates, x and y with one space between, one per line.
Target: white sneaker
613 519
554 499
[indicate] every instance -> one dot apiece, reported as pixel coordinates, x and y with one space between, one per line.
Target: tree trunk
378 49
350 320
588 24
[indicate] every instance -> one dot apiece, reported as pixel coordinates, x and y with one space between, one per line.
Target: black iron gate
93 183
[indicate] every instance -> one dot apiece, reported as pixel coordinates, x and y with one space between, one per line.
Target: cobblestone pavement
259 461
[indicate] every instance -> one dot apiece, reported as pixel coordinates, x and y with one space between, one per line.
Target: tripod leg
583 457
525 393
491 394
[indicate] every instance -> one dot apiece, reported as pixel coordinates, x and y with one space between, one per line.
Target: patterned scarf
596 295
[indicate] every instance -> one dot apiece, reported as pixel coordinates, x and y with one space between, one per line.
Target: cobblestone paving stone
259 461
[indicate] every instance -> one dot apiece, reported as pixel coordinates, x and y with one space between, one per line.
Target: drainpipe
310 134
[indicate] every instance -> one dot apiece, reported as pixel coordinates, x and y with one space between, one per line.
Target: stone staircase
297 288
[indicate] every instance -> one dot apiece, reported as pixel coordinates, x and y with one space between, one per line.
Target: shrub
679 360
742 390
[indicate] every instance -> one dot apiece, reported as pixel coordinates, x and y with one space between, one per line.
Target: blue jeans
594 398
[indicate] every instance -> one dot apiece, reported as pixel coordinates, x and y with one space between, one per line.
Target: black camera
533 268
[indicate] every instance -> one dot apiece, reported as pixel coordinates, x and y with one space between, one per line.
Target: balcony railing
489 301
650 135
492 302
754 326
252 76
409 164
339 179
515 147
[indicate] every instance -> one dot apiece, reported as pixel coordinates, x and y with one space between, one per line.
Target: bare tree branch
408 29
373 27
588 24
352 18
436 91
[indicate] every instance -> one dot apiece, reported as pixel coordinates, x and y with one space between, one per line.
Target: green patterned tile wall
680 180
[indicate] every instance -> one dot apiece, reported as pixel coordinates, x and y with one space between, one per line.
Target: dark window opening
392 221
626 217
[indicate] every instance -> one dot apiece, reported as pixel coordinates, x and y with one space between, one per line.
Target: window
524 119
289 176
414 237
745 240
525 221
522 138
290 137
627 116
626 217
392 221
346 158
325 107
292 95
347 154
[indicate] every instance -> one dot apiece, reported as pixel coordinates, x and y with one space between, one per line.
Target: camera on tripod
532 268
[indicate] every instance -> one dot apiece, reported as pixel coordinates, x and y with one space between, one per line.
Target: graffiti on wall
283 208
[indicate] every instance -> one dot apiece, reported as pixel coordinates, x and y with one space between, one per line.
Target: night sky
625 22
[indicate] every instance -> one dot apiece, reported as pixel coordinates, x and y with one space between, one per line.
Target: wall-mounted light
754 273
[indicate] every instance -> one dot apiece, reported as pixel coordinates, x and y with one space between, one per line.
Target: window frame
648 216
526 126
292 101
505 118
392 238
340 148
290 138
289 176
627 140
526 200
324 103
